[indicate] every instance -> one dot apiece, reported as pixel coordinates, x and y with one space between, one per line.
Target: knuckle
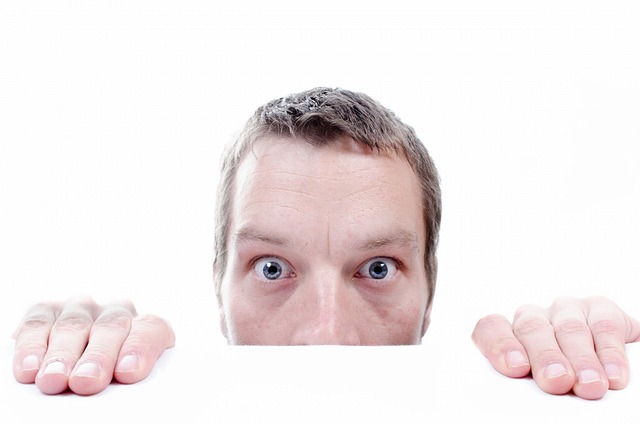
26 347
610 352
604 327
72 323
526 311
115 321
547 356
563 301
84 302
151 321
128 306
43 308
488 326
151 329
529 326
570 328
599 300
491 321
34 323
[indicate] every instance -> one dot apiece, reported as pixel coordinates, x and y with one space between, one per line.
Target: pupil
378 270
272 270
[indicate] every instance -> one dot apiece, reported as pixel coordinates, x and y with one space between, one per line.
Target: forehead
341 159
281 180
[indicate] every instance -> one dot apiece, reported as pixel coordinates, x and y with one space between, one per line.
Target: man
327 225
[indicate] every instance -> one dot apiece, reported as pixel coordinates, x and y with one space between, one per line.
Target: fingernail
515 359
613 371
56 367
129 363
554 370
30 363
588 376
88 369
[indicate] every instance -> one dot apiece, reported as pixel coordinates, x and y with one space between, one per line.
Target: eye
378 268
271 268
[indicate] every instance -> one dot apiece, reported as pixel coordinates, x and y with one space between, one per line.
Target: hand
576 344
81 345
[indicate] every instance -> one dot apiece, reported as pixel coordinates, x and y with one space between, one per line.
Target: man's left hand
576 344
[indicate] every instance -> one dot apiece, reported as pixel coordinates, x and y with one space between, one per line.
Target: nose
328 314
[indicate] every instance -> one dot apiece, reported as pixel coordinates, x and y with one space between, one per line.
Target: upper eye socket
270 268
378 268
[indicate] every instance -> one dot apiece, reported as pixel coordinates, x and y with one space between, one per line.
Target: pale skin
331 211
83 346
326 246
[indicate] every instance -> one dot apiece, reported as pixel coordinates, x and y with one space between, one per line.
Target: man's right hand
82 346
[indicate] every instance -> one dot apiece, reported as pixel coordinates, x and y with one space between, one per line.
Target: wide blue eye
271 268
378 268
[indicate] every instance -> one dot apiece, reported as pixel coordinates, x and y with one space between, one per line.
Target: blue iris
378 270
272 270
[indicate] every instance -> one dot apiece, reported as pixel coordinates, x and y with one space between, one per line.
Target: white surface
445 382
112 116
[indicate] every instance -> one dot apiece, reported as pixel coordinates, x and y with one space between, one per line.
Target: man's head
327 224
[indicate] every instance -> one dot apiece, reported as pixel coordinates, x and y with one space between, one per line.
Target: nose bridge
327 318
328 291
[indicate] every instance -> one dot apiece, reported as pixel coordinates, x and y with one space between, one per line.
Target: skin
324 223
574 345
323 214
82 346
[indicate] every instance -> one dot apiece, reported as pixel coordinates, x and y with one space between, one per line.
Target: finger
94 370
67 341
633 329
147 340
551 370
494 337
31 341
611 329
574 338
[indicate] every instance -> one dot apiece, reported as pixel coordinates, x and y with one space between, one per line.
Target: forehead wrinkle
359 191
401 238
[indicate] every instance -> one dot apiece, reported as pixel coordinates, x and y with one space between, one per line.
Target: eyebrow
401 238
247 235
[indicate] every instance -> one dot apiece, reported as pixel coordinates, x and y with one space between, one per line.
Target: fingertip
555 378
53 379
591 385
129 370
90 377
516 364
150 336
494 337
26 368
617 376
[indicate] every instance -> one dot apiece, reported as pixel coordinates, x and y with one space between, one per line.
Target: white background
112 117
